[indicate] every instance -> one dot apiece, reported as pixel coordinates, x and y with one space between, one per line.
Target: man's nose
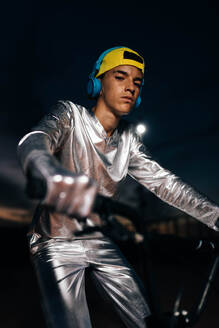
130 87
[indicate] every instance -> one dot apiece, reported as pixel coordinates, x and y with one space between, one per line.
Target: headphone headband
100 59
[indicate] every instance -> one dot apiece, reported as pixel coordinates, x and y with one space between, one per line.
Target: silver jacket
77 139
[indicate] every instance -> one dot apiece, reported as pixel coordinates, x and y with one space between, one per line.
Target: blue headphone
94 84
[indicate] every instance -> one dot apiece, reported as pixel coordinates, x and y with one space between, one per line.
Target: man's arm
170 188
58 188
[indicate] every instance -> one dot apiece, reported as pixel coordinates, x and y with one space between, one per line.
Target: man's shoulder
67 107
70 105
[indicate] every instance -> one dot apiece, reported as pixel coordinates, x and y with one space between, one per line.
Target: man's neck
107 118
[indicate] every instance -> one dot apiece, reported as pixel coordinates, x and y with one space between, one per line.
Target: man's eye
119 77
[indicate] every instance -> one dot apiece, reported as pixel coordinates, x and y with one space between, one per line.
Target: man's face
120 88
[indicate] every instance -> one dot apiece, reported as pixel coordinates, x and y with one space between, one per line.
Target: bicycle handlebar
106 208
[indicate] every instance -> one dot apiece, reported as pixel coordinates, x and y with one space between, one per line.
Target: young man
71 155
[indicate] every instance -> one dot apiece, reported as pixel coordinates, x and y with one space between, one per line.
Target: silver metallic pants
60 267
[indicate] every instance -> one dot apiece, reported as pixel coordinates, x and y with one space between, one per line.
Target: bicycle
177 317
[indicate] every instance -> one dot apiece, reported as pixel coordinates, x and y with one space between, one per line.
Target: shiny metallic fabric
79 142
60 267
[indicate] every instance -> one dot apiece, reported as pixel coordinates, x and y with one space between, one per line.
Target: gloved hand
60 189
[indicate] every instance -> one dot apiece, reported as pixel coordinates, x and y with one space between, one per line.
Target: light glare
141 129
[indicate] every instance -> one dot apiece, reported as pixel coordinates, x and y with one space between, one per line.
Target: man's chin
123 110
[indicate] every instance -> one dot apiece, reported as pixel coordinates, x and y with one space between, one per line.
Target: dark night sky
48 49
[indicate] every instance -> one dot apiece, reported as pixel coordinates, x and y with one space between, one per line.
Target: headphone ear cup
93 87
138 101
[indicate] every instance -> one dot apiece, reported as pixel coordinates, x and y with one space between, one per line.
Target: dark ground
20 297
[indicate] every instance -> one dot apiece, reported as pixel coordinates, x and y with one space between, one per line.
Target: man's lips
127 99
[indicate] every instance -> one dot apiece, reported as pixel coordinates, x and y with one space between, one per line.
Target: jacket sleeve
48 136
168 187
36 149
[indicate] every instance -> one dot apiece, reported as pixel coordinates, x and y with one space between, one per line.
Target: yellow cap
121 56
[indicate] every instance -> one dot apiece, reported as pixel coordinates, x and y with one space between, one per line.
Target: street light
141 129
